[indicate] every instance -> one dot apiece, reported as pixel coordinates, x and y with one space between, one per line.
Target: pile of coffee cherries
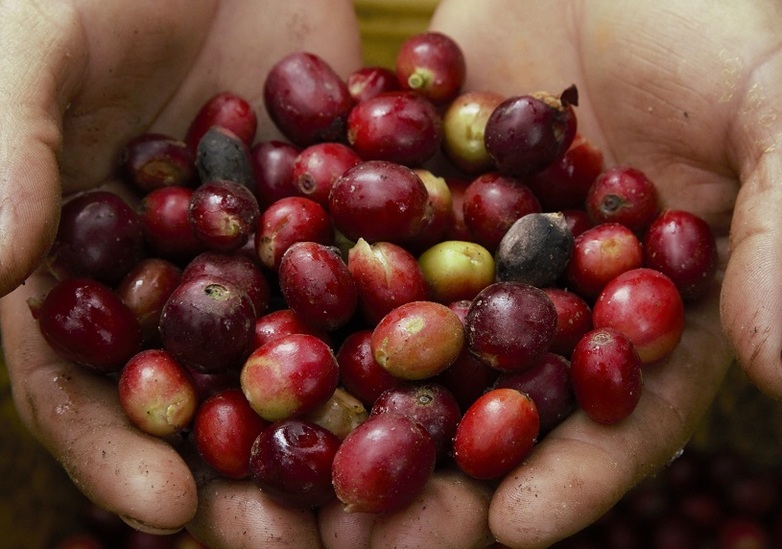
414 277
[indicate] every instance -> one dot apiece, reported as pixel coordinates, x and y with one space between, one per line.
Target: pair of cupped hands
682 90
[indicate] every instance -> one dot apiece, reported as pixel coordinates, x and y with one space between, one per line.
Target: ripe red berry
431 64
383 464
69 315
606 375
623 194
682 246
496 433
526 133
645 306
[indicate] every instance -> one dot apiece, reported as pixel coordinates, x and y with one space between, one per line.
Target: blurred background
739 441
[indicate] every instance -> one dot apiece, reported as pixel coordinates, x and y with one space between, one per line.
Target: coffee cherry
225 110
383 464
99 236
431 64
526 133
224 429
606 375
156 393
644 305
291 462
682 246
623 194
400 127
223 215
154 160
289 376
68 317
379 200
496 433
307 100
208 324
367 82
418 340
316 168
316 284
510 325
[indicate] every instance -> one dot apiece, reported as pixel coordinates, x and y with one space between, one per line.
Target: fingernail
146 528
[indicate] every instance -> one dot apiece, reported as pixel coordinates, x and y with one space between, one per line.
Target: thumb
36 71
752 290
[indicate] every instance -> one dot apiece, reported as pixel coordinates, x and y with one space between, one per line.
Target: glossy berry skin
145 290
418 340
433 65
383 464
526 133
492 203
360 373
430 404
99 236
226 110
464 125
548 384
289 376
223 214
153 160
287 221
400 127
236 269
307 100
379 200
316 284
386 276
510 325
224 430
682 246
272 163
456 270
316 168
606 375
165 223
69 315
599 255
496 433
291 462
623 194
282 322
367 82
565 183
574 319
208 324
645 305
156 393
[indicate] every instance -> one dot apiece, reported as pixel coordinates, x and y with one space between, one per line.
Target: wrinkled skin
681 90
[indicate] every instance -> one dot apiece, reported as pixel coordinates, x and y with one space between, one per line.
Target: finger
451 513
238 514
752 293
582 468
77 417
29 138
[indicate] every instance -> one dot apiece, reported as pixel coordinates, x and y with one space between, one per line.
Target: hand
77 80
683 91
